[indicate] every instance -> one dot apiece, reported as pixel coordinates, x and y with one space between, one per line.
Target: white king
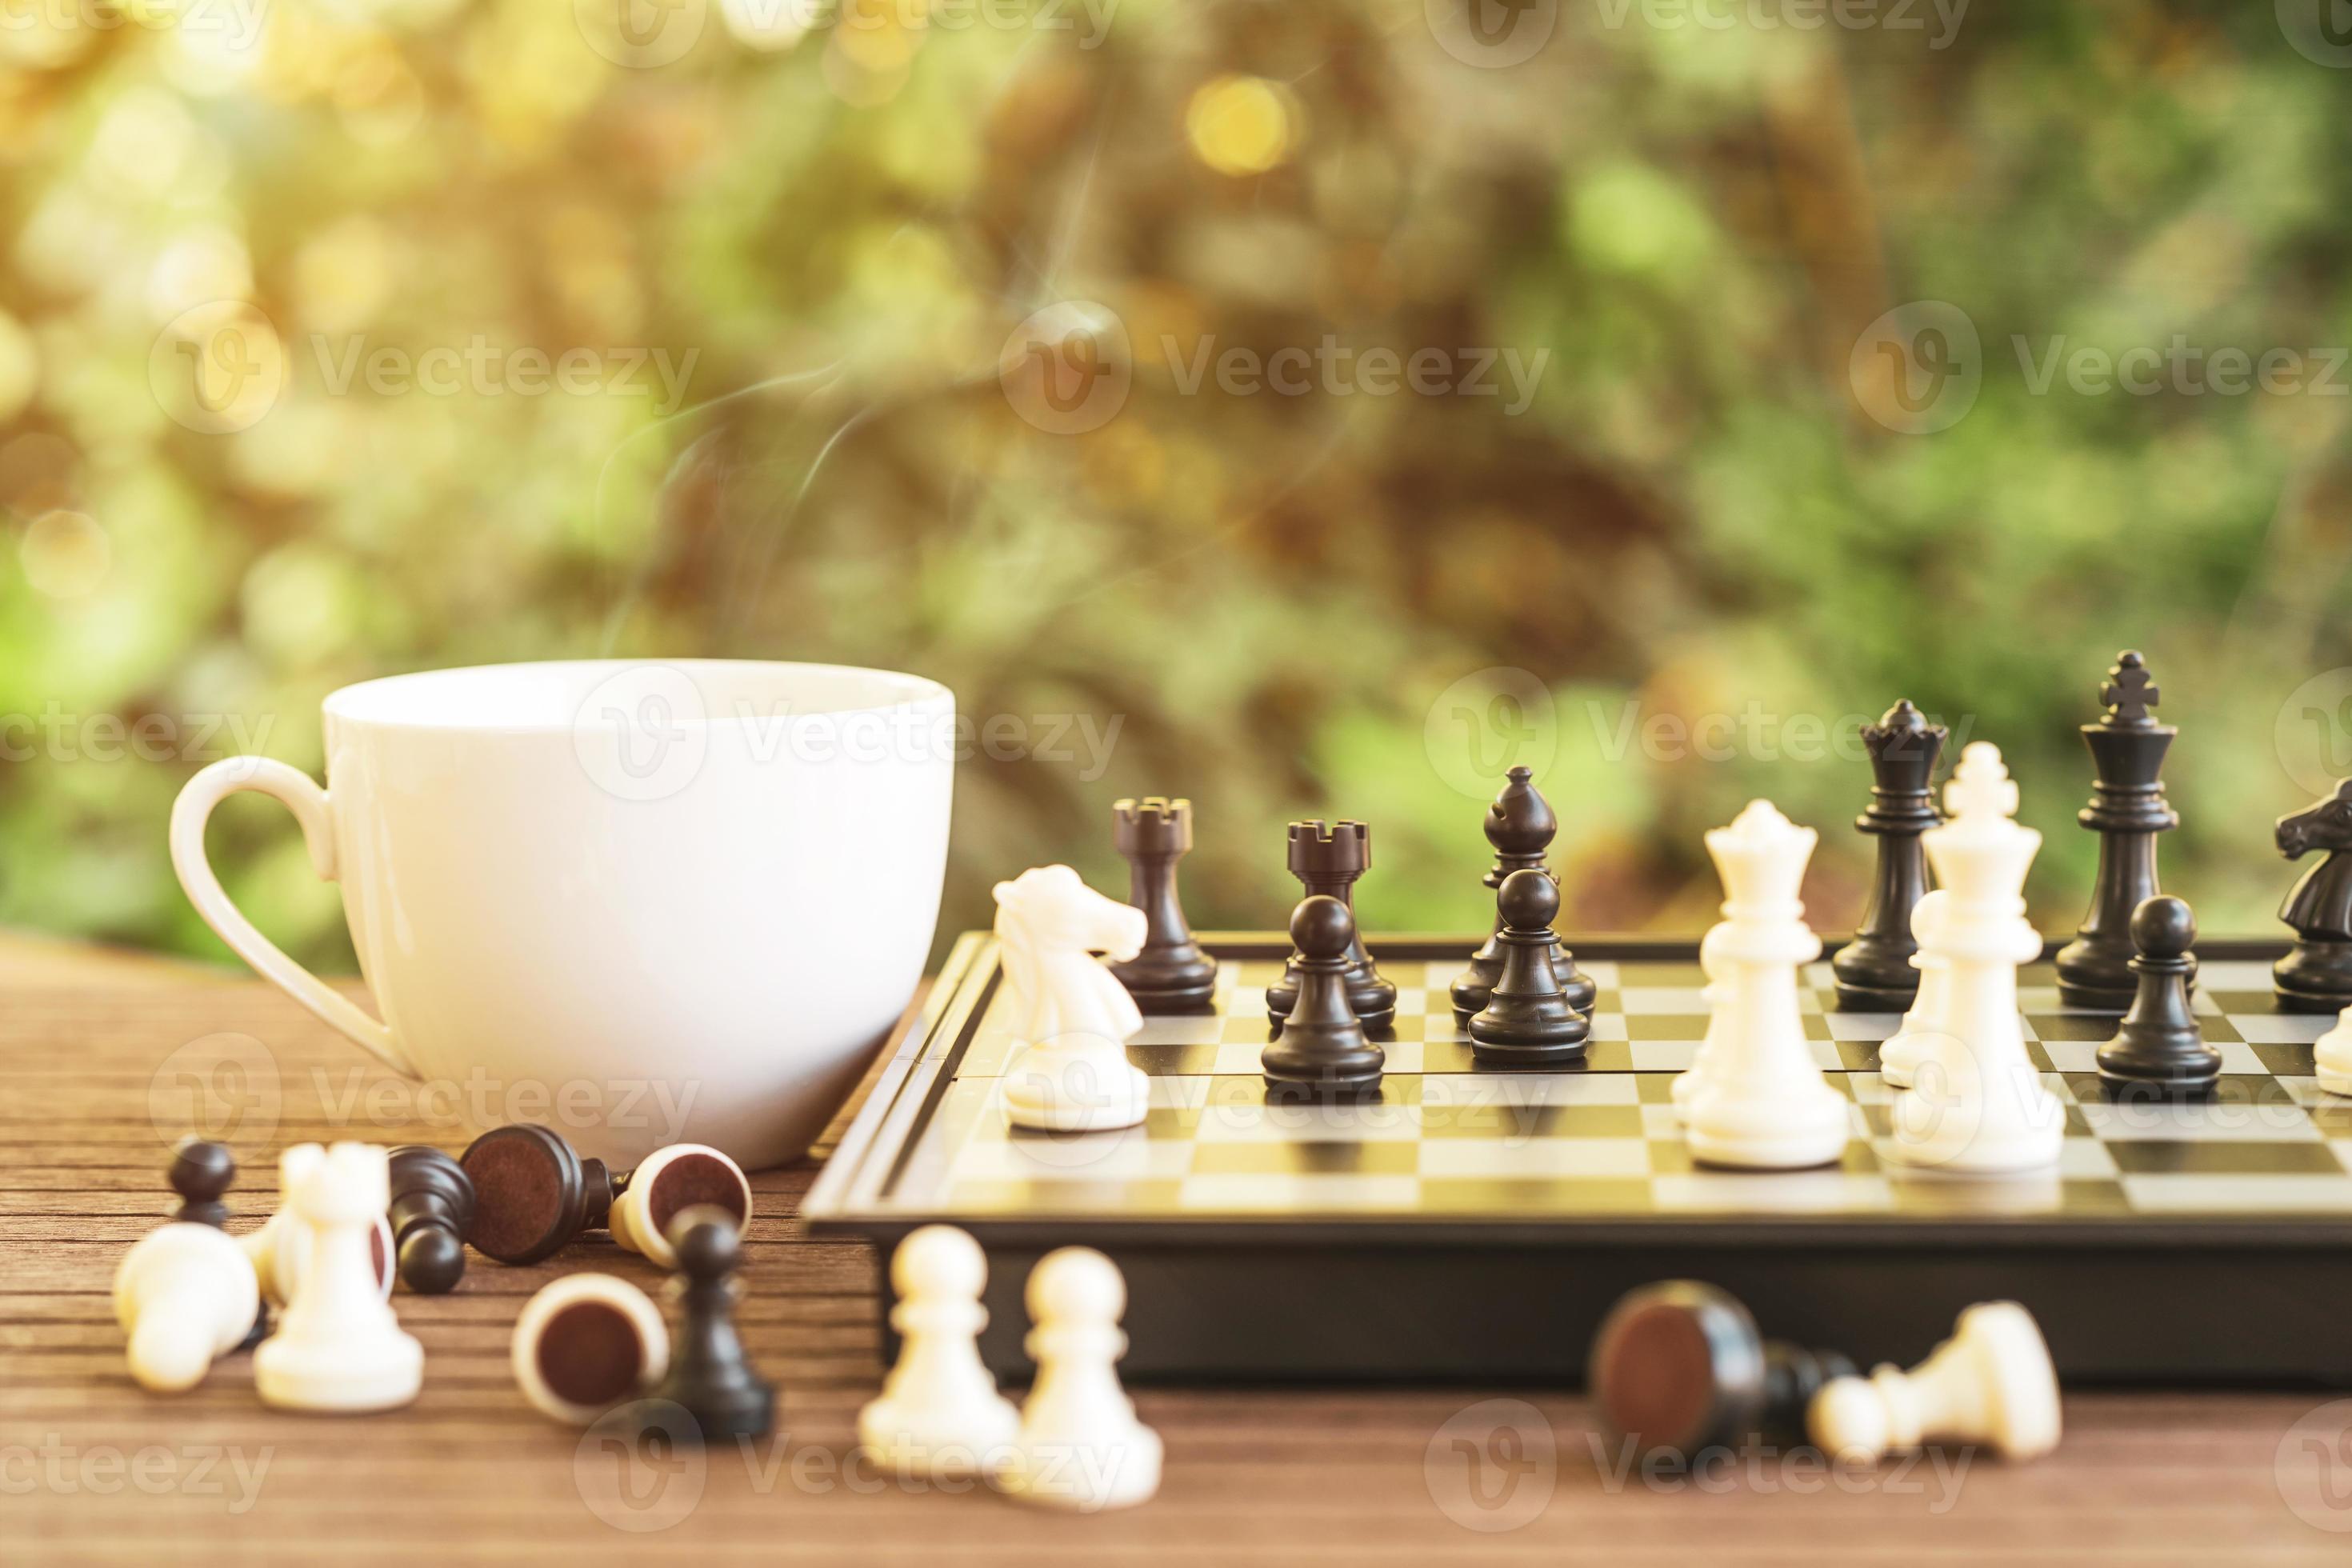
1977 1106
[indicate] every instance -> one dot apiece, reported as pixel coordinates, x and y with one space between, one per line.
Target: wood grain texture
92 1468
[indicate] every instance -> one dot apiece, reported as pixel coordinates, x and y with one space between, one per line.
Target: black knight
2316 976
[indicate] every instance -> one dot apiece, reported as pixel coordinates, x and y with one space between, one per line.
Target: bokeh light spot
1241 124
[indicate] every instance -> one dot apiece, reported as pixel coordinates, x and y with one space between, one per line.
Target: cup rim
351 704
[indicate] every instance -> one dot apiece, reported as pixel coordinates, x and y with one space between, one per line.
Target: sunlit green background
1286 604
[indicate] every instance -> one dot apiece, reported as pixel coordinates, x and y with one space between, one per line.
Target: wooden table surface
94 1053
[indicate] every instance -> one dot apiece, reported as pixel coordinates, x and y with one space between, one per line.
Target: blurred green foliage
1688 568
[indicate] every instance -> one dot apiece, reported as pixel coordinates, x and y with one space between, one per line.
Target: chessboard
1467 1223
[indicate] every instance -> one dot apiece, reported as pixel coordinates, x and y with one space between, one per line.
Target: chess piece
1080 1446
2159 1043
1922 1035
584 1343
1992 1114
1874 972
1764 1104
1679 1367
2331 1055
186 1293
535 1195
2316 976
681 1176
280 1253
938 1416
1328 858
1528 1021
1687 1083
432 1204
1172 975
1990 1383
1070 1016
338 1346
1520 825
1322 1047
2127 810
711 1377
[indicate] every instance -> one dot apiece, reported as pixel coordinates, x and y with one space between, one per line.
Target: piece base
1514 1054
2095 999
1195 998
337 1382
2119 1082
1117 1102
1874 998
2302 1000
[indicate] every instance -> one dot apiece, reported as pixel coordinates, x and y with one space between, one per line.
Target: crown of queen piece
1903 747
1153 825
1330 849
1762 858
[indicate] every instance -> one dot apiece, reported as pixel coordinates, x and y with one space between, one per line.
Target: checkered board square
1448 1139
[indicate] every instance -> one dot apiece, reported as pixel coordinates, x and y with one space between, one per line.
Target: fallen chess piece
1070 1013
1678 1367
1990 1383
938 1416
1080 1446
2331 1055
586 1343
186 1293
711 1377
534 1194
338 1347
432 1204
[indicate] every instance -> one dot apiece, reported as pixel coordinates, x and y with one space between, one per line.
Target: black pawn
711 1377
1527 1021
2316 976
1328 858
1520 825
2159 1042
1873 971
2127 810
1172 975
1323 1046
1679 1366
201 1172
432 1208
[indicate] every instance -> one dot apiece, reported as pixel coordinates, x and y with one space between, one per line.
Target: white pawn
338 1346
1688 1084
185 1295
1763 1104
1070 1015
1922 1031
1990 1383
1080 1446
938 1414
2331 1055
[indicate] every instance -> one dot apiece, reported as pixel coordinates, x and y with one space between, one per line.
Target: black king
1873 971
2127 810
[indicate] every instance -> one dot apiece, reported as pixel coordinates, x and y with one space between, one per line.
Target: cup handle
308 801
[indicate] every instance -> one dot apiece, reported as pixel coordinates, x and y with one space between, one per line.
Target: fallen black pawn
431 1205
1679 1367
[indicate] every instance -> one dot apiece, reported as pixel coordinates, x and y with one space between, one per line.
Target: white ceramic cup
642 903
